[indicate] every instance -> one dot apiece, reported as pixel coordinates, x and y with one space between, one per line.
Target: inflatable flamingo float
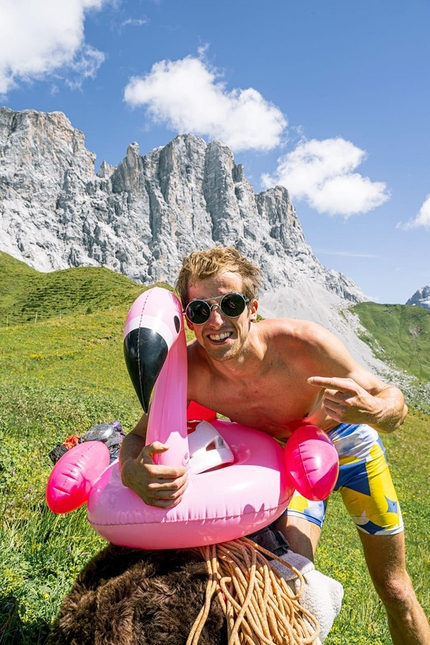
239 479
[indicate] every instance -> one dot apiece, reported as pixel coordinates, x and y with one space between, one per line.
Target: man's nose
216 314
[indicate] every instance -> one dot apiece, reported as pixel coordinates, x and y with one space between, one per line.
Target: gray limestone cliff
143 216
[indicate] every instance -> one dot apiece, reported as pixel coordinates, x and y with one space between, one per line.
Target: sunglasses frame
220 298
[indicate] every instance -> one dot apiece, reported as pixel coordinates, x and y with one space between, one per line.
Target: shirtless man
273 375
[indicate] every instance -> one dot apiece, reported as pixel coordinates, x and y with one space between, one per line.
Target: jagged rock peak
142 216
421 298
39 130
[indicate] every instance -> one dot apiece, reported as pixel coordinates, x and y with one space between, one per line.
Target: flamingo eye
177 324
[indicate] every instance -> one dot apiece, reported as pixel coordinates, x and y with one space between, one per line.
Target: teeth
220 336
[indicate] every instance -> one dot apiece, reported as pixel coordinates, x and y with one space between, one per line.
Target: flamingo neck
168 415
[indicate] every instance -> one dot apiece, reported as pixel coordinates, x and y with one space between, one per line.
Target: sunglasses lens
233 304
198 312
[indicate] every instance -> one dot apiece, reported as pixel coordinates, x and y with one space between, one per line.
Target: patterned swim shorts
364 483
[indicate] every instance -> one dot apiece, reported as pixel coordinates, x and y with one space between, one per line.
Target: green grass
398 334
62 374
27 295
57 378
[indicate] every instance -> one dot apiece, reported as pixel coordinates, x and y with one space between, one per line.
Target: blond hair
200 265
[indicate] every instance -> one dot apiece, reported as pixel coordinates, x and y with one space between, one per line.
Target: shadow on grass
15 632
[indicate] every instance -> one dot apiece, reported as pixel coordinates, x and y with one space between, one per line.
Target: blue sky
327 97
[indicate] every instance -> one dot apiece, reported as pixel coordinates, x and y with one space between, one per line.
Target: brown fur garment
133 597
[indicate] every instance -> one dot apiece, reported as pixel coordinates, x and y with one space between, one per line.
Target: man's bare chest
272 404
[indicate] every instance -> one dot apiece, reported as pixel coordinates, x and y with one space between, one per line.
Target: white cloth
322 596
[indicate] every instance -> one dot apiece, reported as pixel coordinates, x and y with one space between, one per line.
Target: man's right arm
156 485
133 442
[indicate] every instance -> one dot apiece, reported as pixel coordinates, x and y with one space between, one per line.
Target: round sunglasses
232 304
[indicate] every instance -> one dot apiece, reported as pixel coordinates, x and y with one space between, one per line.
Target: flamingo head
153 324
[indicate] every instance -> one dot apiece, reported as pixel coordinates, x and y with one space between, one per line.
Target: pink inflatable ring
237 478
224 503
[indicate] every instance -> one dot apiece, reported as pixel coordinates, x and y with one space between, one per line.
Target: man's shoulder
294 337
292 327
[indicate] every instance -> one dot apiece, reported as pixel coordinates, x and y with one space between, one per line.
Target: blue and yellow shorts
364 482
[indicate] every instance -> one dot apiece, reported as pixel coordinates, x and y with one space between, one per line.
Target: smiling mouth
217 338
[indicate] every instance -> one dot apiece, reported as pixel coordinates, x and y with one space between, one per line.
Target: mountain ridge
140 217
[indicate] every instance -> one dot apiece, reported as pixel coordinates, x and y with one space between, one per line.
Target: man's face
222 337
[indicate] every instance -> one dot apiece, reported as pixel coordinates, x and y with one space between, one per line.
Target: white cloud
422 219
135 22
84 66
40 37
321 173
187 96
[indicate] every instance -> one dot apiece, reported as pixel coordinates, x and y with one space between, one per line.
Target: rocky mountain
142 216
421 298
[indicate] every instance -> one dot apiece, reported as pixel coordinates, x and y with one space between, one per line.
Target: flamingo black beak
145 352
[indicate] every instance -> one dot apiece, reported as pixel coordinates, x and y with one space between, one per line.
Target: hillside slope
27 295
400 336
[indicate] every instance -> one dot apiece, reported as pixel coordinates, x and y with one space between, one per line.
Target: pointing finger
340 384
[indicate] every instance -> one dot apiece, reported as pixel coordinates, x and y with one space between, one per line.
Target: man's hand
346 401
157 485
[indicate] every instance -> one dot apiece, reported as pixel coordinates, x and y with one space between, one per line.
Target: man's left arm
362 398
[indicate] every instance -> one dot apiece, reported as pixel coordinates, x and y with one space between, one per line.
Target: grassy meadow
61 372
400 334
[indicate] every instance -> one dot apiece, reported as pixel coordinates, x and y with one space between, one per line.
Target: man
273 375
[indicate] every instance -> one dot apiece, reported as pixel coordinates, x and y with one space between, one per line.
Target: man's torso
273 395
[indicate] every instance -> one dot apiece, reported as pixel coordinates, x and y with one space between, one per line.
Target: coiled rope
258 603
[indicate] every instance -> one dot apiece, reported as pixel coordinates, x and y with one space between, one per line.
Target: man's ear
189 324
253 309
